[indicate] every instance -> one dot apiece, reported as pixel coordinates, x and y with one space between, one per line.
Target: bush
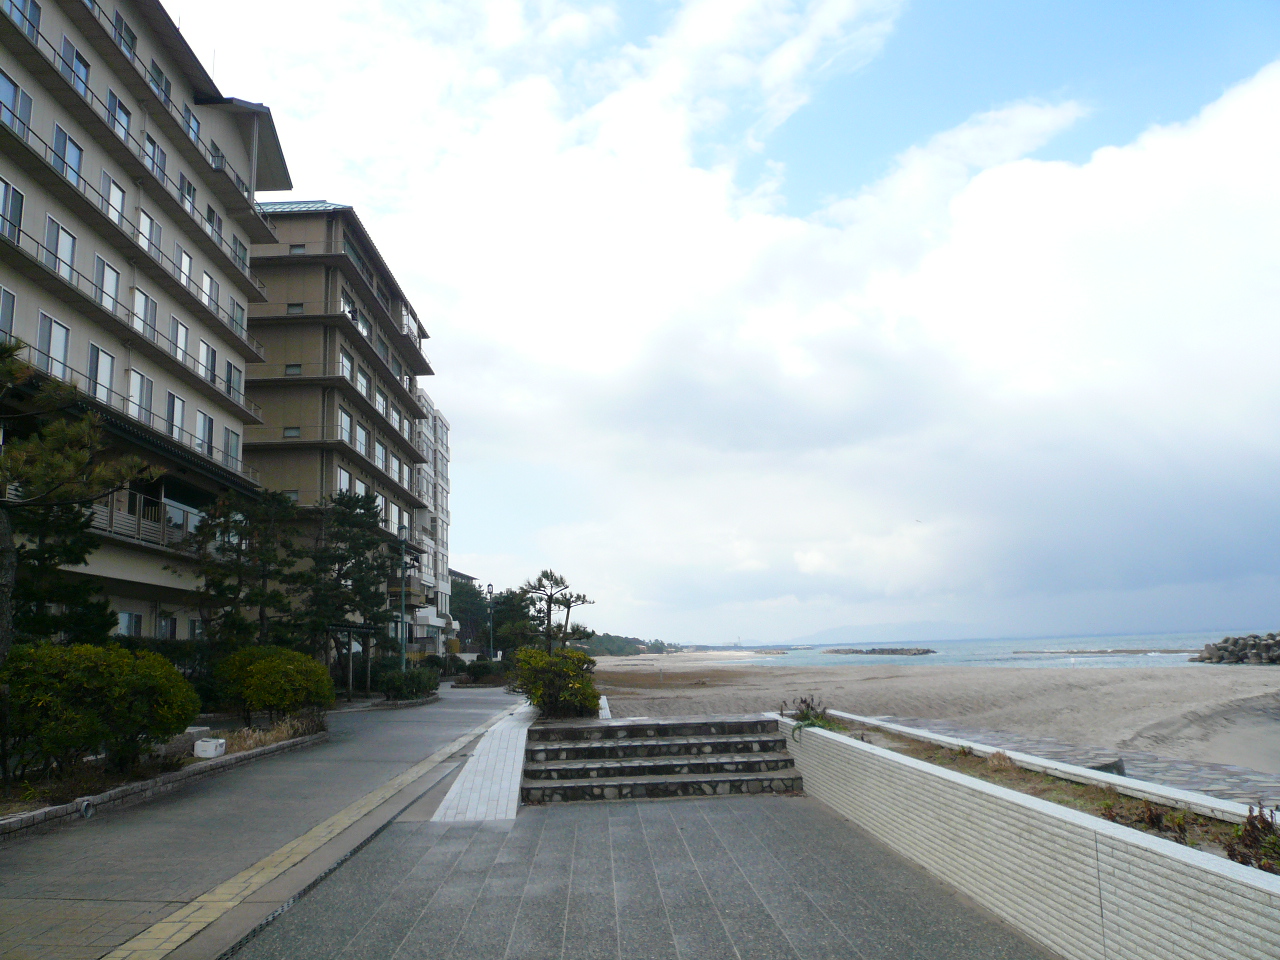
409 685
232 674
435 662
66 703
559 684
455 665
287 683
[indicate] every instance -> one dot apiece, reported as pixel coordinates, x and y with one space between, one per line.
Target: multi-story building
338 389
127 197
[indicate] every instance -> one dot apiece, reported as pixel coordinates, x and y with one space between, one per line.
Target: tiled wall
1082 886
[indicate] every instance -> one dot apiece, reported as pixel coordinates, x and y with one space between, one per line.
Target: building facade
338 387
127 212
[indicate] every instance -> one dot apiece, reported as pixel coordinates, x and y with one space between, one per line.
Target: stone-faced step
547 750
632 728
653 788
659 766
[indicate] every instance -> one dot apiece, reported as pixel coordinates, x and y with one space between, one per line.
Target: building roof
301 206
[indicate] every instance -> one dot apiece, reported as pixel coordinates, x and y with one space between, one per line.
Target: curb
131 793
401 704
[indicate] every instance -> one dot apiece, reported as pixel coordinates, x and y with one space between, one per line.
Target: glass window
7 303
155 157
188 191
144 313
204 433
106 284
213 223
27 15
344 425
182 260
10 211
235 381
231 448
177 414
159 82
363 383
212 291
293 369
67 155
118 115
381 403
237 316
60 248
74 67
361 489
380 454
344 479
149 233
140 389
52 347
395 468
345 364
126 38
15 106
102 367
190 122
383 351
362 438
208 360
178 334
292 433
112 199
239 253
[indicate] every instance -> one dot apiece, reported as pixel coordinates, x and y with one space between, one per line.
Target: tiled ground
1216 779
737 878
489 786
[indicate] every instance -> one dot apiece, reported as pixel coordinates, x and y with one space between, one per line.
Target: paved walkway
79 891
1216 779
488 788
735 878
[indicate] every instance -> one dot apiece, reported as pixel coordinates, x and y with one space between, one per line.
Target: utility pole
488 595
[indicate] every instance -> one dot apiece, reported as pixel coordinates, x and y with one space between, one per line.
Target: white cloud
1023 395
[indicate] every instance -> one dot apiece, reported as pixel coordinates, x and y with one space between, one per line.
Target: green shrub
287 683
435 662
232 675
455 665
410 685
559 683
486 671
66 703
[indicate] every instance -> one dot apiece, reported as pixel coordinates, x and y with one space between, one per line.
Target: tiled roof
301 206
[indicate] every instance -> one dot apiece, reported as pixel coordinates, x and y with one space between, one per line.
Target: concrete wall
1082 886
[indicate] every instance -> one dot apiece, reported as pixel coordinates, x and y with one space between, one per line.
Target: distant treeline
609 645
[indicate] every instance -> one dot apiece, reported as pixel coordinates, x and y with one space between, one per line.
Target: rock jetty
884 651
1250 649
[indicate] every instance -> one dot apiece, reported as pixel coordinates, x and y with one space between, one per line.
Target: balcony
84 103
415 590
175 280
131 516
43 265
121 408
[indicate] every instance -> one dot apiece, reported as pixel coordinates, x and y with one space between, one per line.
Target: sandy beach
1223 714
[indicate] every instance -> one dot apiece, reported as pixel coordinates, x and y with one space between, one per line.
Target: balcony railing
145 519
51 53
103 395
328 433
113 303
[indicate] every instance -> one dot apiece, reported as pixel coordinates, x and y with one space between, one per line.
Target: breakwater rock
1250 649
884 651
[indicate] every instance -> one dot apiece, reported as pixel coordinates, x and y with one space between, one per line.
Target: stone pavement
733 878
83 889
1220 780
488 788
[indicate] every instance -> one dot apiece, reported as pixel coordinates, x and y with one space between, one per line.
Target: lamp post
404 576
488 595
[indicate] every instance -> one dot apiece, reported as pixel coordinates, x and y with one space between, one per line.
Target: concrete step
659 766
632 728
656 787
707 745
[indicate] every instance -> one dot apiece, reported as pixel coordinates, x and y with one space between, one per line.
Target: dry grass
290 728
611 682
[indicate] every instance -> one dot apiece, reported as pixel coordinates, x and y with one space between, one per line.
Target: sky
759 319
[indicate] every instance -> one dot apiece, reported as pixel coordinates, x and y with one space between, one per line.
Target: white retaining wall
1082 886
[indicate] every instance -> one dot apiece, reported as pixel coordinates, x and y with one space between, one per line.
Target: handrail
135 516
63 67
325 433
81 184
329 368
120 403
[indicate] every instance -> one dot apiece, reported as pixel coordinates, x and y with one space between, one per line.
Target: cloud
1020 395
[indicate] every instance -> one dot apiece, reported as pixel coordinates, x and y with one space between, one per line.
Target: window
195 629
382 507
363 324
118 115
380 402
149 231
294 308
129 624
112 199
126 38
74 67
239 253
26 13
383 352
167 628
297 248
230 448
60 248
67 155
182 260
345 364
176 412
204 433
393 414
178 334
106 284
7 303
10 211
292 433
102 368
155 157
213 223
293 369
396 368
344 425
395 469
380 454
344 479
237 316
211 290
52 347
235 381
291 495
15 106
361 489
145 309
363 383
362 439
140 389
208 360
188 191
159 82
190 123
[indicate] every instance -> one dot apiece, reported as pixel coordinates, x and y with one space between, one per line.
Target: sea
1115 652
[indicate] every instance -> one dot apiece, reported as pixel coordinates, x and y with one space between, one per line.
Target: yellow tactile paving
158 940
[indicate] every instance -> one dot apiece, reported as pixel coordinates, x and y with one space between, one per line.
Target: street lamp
488 595
404 575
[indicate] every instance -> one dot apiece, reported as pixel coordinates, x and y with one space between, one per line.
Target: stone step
659 766
550 750
631 728
656 787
